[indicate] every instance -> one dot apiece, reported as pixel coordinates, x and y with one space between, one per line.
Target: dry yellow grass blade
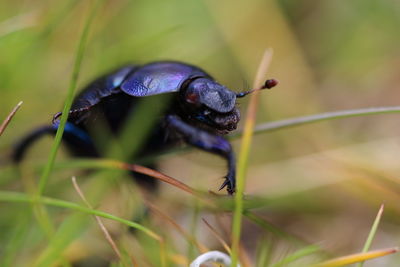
190 238
9 117
244 154
218 236
106 233
359 257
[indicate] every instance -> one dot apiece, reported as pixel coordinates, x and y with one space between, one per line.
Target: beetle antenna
267 85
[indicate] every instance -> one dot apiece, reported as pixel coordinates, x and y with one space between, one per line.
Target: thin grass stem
341 114
99 221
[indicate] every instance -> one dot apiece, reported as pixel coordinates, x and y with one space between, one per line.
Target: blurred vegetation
313 190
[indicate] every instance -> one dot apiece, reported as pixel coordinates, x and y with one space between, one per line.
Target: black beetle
201 111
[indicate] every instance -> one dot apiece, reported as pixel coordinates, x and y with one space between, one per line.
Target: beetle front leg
210 143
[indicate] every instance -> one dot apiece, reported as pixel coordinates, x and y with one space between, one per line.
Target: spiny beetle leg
208 142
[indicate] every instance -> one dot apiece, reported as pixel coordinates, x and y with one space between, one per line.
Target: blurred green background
324 181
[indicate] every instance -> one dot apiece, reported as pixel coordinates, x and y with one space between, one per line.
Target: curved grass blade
115 164
17 197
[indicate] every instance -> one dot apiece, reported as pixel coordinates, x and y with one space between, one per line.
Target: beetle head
210 105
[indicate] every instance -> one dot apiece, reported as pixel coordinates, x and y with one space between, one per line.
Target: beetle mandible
200 113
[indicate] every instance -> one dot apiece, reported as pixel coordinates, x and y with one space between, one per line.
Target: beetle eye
192 98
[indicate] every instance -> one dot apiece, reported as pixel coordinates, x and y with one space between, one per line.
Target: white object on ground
212 256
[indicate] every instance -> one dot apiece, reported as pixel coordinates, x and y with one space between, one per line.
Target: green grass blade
7 196
70 95
372 232
41 212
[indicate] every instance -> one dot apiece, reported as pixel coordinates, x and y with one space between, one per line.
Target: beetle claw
228 185
225 183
